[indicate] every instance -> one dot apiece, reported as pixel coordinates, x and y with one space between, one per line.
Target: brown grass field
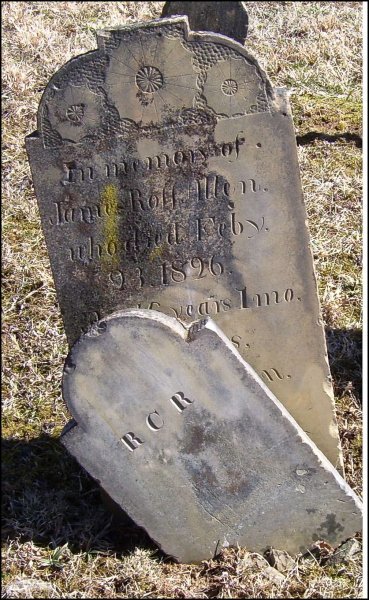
58 539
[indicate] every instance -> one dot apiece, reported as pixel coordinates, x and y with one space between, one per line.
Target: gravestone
185 436
229 19
166 172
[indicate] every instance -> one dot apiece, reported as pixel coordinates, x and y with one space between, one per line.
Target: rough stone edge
282 95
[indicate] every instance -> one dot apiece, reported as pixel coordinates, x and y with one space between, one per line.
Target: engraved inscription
274 375
118 278
213 306
265 298
180 401
239 343
206 308
65 214
160 162
180 194
131 441
259 227
153 237
253 186
208 226
155 422
92 250
197 268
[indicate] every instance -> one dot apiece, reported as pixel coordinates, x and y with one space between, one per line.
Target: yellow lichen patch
156 252
109 205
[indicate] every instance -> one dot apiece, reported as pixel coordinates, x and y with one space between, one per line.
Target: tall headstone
166 172
184 436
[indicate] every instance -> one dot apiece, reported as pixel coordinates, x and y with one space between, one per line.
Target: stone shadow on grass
47 498
345 360
309 137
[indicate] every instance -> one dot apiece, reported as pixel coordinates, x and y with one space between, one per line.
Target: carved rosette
151 78
74 112
232 87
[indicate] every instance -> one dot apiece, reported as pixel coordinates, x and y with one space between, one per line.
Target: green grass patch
326 114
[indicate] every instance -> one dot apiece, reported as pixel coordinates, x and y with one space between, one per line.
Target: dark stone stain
201 437
238 484
330 526
311 510
198 437
205 476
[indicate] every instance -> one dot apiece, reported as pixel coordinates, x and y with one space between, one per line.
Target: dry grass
59 540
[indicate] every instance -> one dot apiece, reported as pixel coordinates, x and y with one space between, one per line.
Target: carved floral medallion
151 78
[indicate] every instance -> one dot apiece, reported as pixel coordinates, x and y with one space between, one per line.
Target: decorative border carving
82 103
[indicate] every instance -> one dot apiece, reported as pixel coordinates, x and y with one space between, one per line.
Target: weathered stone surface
345 552
185 436
273 575
255 563
166 172
280 560
227 18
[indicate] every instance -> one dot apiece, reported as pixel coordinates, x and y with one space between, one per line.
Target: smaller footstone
183 434
228 18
